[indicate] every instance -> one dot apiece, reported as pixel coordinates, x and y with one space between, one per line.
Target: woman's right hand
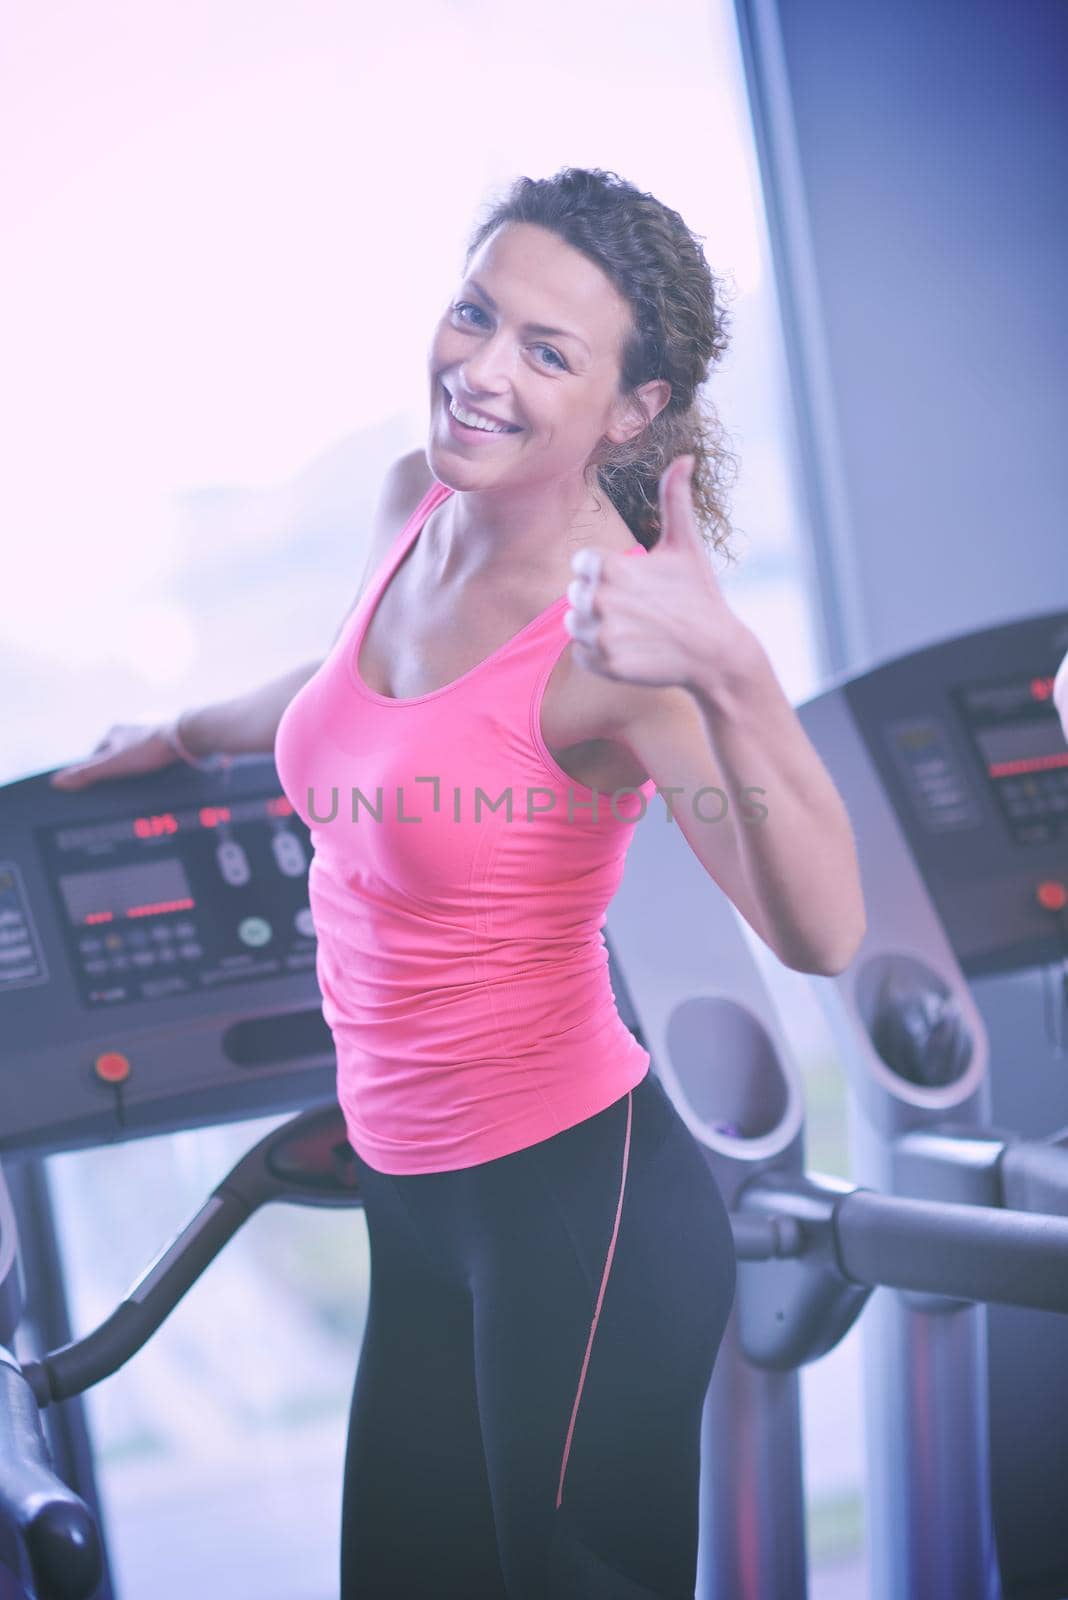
126 750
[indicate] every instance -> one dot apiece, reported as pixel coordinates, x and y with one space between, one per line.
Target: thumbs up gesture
659 619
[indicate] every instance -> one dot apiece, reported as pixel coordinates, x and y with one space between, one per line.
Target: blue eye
551 351
467 305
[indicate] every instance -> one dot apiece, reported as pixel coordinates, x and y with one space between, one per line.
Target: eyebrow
530 327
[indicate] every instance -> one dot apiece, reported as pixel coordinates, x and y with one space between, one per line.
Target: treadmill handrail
49 1539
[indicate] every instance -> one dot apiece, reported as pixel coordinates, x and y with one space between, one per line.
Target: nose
485 370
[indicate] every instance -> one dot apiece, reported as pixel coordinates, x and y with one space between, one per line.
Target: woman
552 1261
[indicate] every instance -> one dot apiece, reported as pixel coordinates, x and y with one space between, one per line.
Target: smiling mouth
497 428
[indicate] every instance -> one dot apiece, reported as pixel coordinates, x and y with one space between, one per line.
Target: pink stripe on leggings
597 1308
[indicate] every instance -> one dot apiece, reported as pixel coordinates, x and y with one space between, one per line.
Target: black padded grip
48 1537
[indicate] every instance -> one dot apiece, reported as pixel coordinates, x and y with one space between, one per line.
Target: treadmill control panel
970 753
157 957
1017 734
173 901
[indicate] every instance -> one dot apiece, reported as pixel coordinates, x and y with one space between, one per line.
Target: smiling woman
552 1261
483 1067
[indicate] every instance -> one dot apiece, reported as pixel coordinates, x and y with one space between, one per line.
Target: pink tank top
458 888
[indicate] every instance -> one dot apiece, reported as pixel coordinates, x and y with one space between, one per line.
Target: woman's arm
247 723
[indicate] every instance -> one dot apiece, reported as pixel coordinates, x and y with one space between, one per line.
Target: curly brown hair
678 332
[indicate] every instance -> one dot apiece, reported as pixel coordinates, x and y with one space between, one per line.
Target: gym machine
952 1025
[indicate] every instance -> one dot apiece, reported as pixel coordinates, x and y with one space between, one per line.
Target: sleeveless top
458 888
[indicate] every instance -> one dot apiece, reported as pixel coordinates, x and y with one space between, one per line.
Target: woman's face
493 353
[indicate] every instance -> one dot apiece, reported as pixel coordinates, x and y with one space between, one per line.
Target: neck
525 530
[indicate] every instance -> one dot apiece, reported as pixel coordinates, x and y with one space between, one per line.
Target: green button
254 931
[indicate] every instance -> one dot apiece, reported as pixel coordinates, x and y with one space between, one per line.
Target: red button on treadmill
1052 895
112 1067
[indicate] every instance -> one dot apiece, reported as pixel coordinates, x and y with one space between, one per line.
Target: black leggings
540 1336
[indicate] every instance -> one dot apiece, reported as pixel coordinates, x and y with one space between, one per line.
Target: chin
452 468
448 468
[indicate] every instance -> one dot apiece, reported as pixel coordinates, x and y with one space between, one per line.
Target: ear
635 412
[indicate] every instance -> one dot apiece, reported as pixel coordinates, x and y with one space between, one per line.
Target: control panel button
1052 895
303 922
233 863
288 853
254 931
111 1067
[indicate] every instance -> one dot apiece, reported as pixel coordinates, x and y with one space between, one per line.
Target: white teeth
474 421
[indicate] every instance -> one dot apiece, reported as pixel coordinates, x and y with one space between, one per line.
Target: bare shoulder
405 483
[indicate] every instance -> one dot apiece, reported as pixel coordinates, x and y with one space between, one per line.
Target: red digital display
159 907
153 827
212 816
